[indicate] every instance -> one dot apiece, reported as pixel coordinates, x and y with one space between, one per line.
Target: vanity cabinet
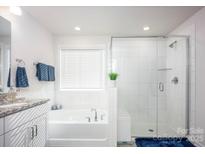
19 137
26 128
31 134
40 132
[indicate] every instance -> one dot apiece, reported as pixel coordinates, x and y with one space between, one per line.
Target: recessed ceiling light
146 28
77 28
15 10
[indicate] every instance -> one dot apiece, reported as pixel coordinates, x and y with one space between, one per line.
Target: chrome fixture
88 119
96 115
151 130
56 107
175 80
164 69
172 44
20 62
161 86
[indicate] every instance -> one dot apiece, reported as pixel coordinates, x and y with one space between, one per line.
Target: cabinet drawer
18 119
30 134
1 126
19 137
40 135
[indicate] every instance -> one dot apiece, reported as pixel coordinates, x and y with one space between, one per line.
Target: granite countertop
11 108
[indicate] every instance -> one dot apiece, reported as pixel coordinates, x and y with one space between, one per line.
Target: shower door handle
161 86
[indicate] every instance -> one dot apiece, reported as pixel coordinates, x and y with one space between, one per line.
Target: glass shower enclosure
153 84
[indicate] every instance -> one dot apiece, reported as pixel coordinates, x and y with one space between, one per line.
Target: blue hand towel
21 78
42 72
51 73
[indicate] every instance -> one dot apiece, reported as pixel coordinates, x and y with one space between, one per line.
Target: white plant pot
113 83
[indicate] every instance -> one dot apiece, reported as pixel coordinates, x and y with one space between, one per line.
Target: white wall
32 43
195 28
81 99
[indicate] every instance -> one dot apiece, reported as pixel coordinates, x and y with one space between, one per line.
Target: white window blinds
81 69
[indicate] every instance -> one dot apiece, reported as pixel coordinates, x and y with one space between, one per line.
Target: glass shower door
137 95
172 88
152 84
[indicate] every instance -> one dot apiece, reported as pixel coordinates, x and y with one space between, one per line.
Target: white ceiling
111 20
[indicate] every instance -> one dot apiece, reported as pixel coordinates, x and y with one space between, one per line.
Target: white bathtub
72 128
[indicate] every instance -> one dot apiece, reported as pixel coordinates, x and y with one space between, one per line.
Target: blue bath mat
163 142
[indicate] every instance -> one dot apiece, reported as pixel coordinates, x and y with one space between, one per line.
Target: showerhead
172 44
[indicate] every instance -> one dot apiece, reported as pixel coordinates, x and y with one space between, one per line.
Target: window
81 69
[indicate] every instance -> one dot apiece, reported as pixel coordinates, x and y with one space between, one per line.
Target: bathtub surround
31 42
84 130
194 28
92 127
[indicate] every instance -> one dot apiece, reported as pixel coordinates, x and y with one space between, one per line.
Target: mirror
5 53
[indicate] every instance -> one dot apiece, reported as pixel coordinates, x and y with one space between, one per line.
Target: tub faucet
88 119
96 115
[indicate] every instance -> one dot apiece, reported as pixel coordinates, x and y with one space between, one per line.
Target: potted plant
113 77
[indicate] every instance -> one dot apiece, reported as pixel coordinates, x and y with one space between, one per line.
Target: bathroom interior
102 76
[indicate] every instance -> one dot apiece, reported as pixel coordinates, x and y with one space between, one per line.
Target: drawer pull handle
32 133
